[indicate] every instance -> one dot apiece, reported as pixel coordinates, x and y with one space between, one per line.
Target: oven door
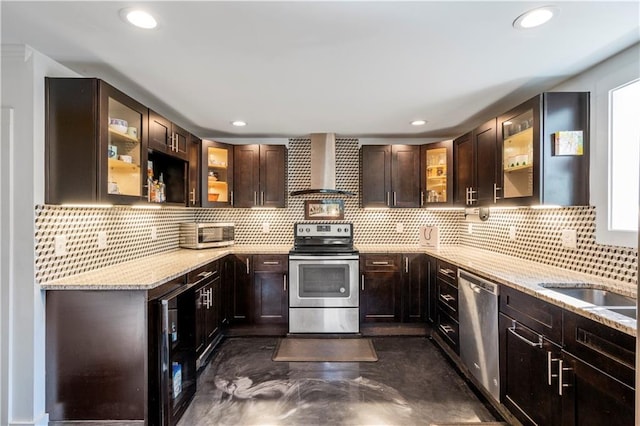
323 281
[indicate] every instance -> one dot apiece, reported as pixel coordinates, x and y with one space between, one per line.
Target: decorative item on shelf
214 175
324 209
118 125
133 132
568 143
113 188
113 151
126 158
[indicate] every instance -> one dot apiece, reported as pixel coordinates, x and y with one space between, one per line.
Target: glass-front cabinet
437 159
518 156
217 169
124 159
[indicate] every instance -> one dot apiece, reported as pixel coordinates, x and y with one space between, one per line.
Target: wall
21 188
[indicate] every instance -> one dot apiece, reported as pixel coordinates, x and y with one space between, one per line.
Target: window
624 154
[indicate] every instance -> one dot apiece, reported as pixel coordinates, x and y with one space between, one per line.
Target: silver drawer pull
512 330
447 328
447 297
205 274
561 371
550 359
448 272
386 262
271 262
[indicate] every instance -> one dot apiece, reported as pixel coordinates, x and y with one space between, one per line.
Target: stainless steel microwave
200 235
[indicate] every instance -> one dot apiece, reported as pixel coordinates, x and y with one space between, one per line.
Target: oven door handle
322 258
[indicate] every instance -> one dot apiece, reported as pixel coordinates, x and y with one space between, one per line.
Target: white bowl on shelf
118 125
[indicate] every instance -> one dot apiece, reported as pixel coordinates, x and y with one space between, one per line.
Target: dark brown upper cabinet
536 168
476 159
217 174
390 175
167 137
259 175
194 171
92 155
436 174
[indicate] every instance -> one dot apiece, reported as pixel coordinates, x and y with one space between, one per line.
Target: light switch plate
61 245
102 240
569 238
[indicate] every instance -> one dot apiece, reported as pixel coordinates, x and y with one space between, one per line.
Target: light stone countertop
524 275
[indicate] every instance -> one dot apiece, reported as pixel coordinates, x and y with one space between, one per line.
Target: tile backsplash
129 230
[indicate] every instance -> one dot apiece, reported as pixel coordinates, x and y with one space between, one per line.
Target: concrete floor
410 384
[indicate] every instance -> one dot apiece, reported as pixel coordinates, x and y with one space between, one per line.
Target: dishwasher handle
477 284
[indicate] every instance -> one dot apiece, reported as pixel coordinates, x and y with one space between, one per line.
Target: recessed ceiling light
139 18
239 123
418 122
535 17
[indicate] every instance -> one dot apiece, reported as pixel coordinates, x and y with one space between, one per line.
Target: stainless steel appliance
323 279
479 338
200 235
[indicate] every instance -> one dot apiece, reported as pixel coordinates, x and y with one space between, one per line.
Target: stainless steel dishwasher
479 338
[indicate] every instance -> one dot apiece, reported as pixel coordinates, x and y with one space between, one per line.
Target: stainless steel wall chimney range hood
323 166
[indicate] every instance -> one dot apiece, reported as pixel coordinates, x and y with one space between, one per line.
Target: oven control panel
323 230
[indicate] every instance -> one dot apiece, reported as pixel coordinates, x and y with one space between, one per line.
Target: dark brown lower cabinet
206 282
380 297
432 290
415 278
241 292
271 300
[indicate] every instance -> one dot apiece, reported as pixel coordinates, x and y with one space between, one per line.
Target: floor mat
325 350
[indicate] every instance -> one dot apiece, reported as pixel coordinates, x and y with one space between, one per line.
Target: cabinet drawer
208 271
448 298
448 328
270 263
603 347
540 316
447 272
166 288
381 262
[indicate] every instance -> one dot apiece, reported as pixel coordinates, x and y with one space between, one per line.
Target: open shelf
122 136
516 168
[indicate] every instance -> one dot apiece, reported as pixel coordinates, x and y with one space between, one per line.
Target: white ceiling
355 68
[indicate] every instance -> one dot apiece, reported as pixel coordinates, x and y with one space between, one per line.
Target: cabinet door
211 318
200 328
217 172
242 295
180 139
159 132
226 289
526 359
436 172
405 176
272 175
487 159
380 297
375 166
463 169
414 283
246 175
591 397
270 298
432 290
194 171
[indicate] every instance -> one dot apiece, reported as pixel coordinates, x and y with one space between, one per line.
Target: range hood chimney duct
323 166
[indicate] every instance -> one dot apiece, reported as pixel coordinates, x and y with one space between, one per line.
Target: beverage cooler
172 350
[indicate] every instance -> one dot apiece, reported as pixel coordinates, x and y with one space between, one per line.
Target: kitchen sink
627 311
592 295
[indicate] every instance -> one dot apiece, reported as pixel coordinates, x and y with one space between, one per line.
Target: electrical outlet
265 227
154 233
470 228
61 245
399 228
569 238
102 240
512 233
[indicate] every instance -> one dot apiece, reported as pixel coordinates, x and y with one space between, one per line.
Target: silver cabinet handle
262 198
205 274
447 328
362 281
406 265
247 261
284 282
231 196
495 193
550 359
192 196
512 330
210 297
561 371
447 297
421 198
394 198
271 262
205 298
448 272
387 202
470 191
378 262
255 198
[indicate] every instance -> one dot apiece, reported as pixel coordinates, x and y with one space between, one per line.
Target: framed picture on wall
324 210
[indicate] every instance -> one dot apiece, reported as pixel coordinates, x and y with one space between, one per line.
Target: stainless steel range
323 279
